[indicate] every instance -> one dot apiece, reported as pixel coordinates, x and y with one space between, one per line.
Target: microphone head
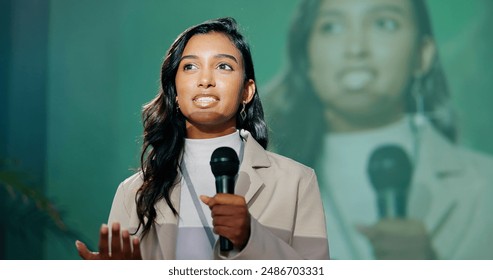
224 161
389 168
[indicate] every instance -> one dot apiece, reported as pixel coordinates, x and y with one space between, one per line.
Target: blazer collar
438 172
254 157
438 154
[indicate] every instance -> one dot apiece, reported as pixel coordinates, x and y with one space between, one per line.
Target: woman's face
362 54
210 85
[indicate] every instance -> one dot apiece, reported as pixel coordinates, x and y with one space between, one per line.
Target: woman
209 99
365 74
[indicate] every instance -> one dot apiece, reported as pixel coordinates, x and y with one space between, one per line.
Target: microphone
225 164
390 171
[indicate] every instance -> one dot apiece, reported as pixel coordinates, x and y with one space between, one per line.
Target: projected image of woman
363 74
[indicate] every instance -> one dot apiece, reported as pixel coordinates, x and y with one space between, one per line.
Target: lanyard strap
198 207
196 202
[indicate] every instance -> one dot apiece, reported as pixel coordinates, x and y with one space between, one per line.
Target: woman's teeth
356 80
204 100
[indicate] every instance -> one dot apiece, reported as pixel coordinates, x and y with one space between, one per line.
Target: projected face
362 54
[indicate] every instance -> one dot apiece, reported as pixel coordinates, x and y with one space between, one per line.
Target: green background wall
74 75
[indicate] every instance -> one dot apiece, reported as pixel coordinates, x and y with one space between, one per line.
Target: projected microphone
390 171
225 164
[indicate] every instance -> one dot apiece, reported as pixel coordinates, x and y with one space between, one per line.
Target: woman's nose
357 43
206 79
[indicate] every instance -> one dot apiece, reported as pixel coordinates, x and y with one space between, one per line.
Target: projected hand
399 239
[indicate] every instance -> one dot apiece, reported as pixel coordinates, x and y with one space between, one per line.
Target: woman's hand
399 239
230 217
122 248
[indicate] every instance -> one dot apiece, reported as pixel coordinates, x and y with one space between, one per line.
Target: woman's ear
427 56
249 91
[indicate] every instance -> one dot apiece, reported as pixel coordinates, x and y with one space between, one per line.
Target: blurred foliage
25 212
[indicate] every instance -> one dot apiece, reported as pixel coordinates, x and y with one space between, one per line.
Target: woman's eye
387 24
189 67
224 66
331 27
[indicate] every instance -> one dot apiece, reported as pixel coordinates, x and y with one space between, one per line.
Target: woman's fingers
126 246
223 198
84 253
103 242
230 217
136 249
123 246
116 243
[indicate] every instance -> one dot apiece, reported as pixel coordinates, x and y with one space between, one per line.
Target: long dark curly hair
164 125
291 100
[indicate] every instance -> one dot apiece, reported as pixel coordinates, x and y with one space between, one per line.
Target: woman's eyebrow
221 55
190 56
388 8
330 13
334 12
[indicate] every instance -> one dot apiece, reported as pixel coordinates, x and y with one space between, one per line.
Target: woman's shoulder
273 94
478 161
288 164
132 183
258 156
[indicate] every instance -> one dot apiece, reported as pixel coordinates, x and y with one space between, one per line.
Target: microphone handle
225 184
225 244
391 204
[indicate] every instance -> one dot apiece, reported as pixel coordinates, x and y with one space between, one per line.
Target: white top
192 240
349 198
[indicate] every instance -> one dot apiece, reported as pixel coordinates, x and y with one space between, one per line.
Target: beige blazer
452 194
287 217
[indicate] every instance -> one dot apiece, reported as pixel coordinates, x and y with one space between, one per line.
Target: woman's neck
352 123
197 132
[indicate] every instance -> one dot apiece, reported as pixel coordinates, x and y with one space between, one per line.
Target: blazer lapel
434 196
249 182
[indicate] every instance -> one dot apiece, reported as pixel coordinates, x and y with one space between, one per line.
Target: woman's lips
354 80
205 100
